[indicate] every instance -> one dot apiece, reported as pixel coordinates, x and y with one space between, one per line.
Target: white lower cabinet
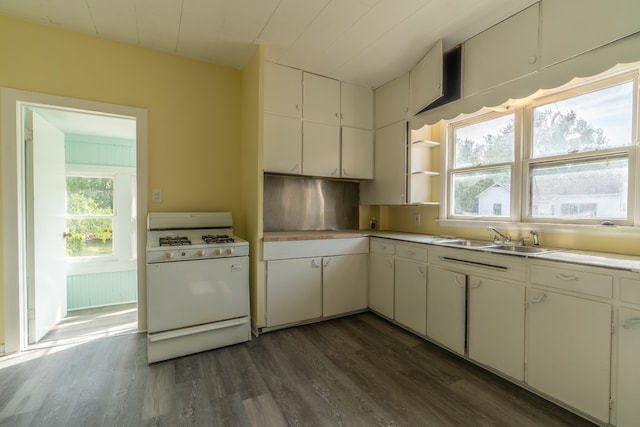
628 390
381 273
411 294
446 308
344 284
569 350
294 290
496 325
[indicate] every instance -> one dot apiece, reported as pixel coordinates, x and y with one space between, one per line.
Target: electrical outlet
416 219
156 196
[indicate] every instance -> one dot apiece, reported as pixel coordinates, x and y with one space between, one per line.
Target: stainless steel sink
465 243
520 249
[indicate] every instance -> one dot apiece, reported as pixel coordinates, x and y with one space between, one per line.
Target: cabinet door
502 53
321 149
392 101
294 290
282 90
390 172
426 79
321 99
593 23
446 299
344 284
356 105
628 368
381 272
569 342
357 153
282 144
496 325
411 294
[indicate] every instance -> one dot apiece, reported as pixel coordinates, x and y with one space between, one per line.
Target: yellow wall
252 102
194 115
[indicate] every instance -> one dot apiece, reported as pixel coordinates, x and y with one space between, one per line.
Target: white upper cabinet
321 97
426 79
390 161
357 153
572 27
504 52
282 144
282 90
321 149
392 101
356 105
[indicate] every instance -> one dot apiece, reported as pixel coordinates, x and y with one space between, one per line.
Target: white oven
197 284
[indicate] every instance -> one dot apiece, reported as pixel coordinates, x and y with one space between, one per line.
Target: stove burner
218 238
174 241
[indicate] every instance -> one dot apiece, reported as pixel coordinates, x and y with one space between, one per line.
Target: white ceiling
366 42
89 123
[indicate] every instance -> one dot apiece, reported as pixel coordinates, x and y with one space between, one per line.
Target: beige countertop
280 236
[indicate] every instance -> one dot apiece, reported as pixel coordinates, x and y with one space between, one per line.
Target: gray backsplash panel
293 203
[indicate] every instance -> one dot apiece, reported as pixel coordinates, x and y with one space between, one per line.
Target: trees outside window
90 211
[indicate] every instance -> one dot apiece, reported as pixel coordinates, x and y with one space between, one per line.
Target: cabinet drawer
416 253
382 246
577 281
630 290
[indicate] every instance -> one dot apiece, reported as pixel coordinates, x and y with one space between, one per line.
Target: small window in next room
90 213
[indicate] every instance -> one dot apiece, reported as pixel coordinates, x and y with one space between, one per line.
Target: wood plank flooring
354 371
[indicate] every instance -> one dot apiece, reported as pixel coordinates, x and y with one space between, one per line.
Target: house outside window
566 158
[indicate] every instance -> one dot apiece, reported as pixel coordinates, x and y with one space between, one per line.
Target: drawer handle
629 323
382 247
538 299
411 252
566 278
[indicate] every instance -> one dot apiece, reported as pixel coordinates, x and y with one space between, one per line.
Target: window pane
593 189
482 193
485 143
89 196
89 237
589 122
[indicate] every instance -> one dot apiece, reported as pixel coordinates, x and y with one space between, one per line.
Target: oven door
189 293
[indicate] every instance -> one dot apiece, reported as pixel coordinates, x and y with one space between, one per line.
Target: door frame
14 258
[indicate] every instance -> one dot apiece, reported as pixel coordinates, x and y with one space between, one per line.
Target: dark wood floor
354 371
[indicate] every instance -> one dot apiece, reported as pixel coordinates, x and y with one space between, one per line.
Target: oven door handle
177 333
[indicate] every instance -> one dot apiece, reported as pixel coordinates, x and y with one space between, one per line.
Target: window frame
520 216
514 166
113 216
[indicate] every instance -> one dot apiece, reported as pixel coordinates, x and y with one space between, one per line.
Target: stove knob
201 252
218 251
229 251
169 255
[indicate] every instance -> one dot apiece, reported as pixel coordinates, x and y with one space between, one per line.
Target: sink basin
465 243
520 249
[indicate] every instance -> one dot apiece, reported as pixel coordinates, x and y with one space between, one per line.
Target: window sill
93 266
616 231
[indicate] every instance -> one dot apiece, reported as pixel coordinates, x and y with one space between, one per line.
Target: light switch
156 196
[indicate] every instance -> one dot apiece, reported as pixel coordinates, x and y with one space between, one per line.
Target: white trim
13 226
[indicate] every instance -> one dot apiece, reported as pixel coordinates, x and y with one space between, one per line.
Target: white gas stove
197 284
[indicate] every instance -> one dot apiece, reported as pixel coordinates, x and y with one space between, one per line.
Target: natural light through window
565 158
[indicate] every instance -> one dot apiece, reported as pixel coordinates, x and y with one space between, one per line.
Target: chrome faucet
536 240
506 237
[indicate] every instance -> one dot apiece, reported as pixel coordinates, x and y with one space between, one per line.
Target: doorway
23 210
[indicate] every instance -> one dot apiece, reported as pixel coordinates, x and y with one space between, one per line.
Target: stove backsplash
293 203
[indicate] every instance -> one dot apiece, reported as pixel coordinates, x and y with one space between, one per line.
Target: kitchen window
566 158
